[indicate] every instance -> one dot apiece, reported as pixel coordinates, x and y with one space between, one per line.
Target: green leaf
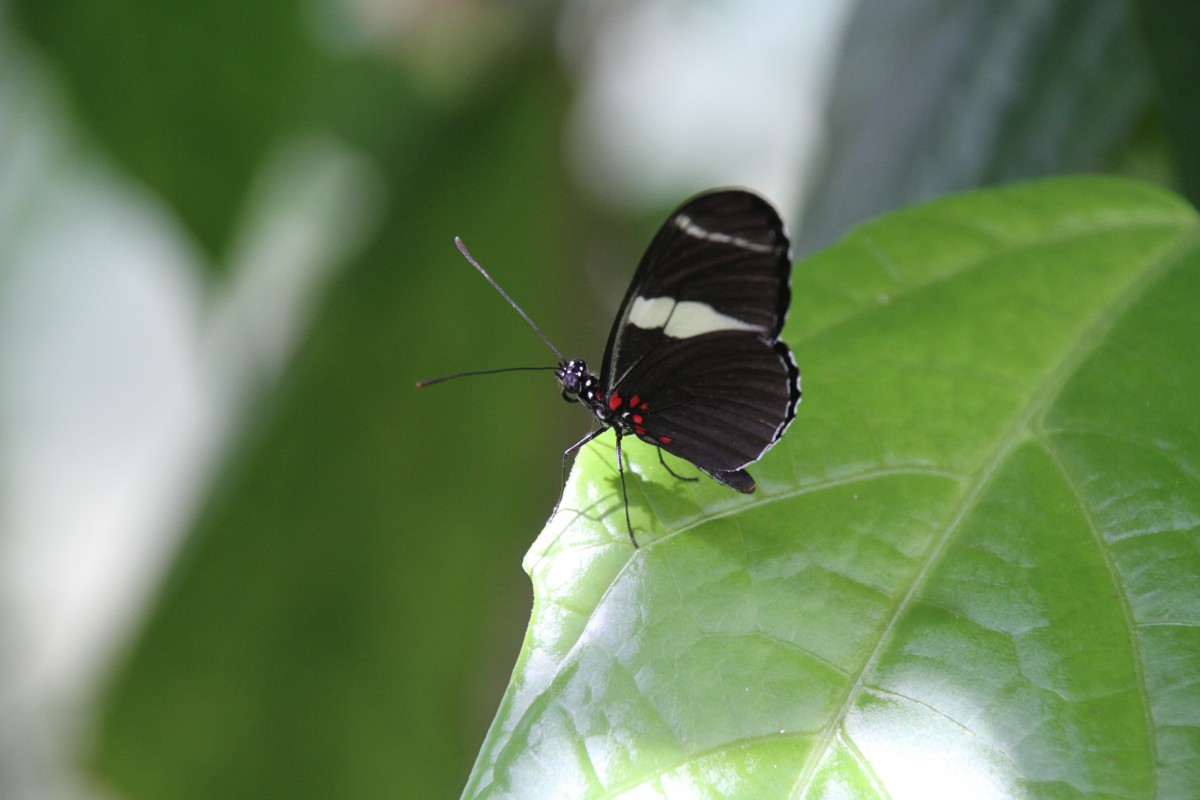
971 567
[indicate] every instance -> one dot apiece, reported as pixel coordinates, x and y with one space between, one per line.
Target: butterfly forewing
722 260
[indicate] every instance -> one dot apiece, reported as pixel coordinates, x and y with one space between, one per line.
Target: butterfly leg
566 464
668 469
624 492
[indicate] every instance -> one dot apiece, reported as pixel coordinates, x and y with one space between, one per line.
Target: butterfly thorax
627 414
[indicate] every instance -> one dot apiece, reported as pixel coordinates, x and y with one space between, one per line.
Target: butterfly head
578 383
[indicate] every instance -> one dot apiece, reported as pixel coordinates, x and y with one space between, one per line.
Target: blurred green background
240 554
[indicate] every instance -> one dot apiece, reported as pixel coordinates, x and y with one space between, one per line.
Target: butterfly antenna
462 248
432 381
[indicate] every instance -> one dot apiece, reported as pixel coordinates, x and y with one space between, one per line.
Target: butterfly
694 364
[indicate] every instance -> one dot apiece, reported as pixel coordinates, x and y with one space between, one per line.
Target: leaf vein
1121 594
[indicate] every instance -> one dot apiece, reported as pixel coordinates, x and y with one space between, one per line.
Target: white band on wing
683 319
689 226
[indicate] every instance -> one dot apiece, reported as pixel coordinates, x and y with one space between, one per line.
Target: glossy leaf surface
970 569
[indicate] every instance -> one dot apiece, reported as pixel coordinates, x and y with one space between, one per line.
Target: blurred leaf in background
226 233
188 97
333 581
935 96
1171 32
333 576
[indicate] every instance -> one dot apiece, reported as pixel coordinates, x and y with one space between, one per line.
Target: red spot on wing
665 439
644 406
614 402
633 401
639 430
637 419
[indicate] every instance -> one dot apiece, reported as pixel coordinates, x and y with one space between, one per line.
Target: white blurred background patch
678 96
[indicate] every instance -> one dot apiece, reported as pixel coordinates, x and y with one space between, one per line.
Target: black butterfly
694 364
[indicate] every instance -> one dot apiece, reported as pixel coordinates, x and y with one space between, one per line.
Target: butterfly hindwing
719 400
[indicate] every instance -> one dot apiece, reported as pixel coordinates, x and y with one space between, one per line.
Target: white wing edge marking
688 226
683 319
